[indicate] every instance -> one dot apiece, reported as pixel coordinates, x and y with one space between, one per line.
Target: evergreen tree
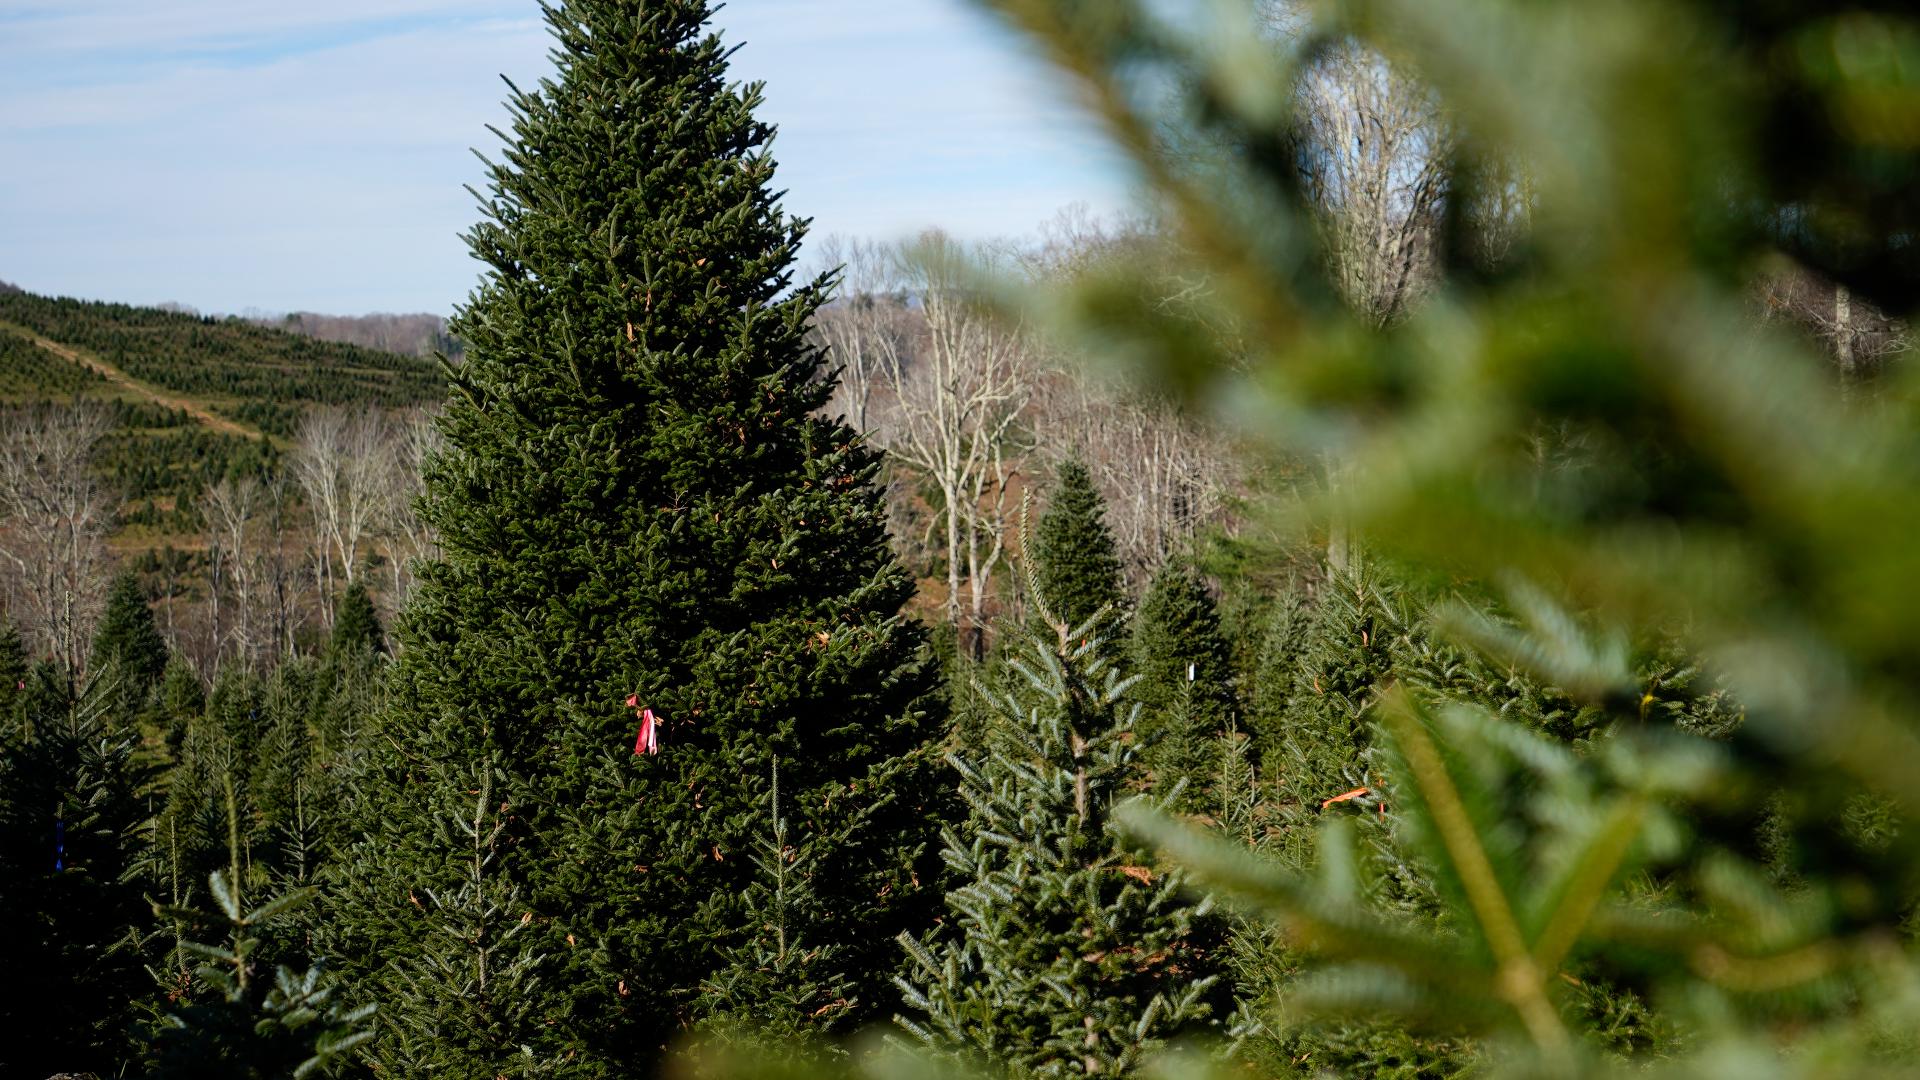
479 954
281 745
1063 953
218 757
47 697
1236 788
290 792
1186 685
1074 556
13 677
356 625
1318 669
234 1023
777 992
181 698
1276 662
1346 653
72 814
639 502
129 639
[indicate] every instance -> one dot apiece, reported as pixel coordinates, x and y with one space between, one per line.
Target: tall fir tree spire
129 640
1346 653
1075 561
777 992
356 625
1276 662
639 501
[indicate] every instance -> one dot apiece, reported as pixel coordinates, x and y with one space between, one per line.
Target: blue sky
287 154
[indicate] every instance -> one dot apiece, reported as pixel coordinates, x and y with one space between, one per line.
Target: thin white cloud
324 168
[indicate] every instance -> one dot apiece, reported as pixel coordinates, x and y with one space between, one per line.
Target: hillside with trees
252 374
247 473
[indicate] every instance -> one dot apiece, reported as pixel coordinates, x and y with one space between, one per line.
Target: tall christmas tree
219 757
1345 654
772 994
1074 557
1275 663
179 698
645 523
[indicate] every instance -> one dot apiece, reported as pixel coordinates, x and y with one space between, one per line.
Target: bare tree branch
56 513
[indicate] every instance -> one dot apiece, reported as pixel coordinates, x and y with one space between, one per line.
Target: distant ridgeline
195 398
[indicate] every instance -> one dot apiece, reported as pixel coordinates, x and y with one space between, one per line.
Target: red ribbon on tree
647 740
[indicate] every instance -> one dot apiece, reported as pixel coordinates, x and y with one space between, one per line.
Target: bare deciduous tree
1373 155
948 391
409 538
1164 477
1860 338
340 461
56 513
234 565
867 329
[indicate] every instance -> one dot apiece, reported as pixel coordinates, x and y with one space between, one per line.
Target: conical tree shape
128 638
638 501
478 957
1347 652
1063 954
48 693
180 699
220 752
1186 680
309 710
1074 556
777 993
1276 663
356 626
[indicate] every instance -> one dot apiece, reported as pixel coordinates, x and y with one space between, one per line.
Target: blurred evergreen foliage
1600 737
1586 411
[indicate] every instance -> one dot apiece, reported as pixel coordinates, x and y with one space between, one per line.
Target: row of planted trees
143 814
251 373
1058 939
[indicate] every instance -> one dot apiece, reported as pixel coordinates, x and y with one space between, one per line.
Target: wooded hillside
258 376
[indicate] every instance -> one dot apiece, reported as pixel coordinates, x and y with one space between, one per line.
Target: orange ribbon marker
1354 794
